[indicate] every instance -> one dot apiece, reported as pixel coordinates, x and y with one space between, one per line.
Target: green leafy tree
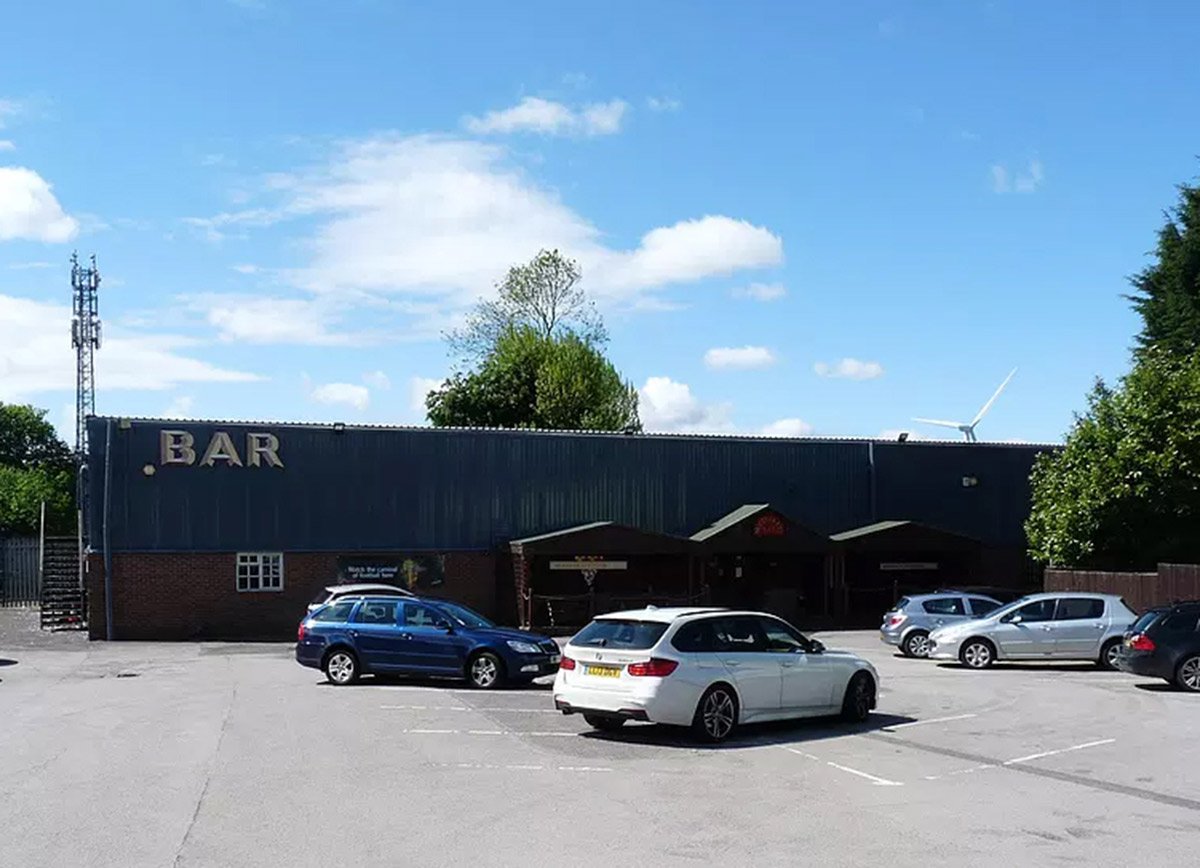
1167 293
1124 493
35 467
530 380
27 439
543 295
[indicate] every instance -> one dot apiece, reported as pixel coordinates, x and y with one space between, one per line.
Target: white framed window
260 571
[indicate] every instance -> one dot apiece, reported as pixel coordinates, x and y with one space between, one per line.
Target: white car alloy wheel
341 668
977 654
717 714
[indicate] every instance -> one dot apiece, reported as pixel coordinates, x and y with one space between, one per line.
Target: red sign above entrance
768 525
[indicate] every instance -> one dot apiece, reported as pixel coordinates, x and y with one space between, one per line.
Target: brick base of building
191 596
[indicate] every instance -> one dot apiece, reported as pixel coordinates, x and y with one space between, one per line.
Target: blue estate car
419 636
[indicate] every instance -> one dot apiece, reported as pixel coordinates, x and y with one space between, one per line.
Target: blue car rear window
620 633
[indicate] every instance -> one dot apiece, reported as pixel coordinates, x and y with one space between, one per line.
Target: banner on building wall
413 572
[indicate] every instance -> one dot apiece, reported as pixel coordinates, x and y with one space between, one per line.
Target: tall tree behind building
1167 293
1124 492
544 295
35 467
536 359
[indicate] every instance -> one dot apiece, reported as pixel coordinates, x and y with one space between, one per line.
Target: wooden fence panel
1141 591
1179 582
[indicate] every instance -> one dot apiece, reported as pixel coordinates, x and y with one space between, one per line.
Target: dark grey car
909 623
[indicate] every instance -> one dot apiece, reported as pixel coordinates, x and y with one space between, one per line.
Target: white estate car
708 669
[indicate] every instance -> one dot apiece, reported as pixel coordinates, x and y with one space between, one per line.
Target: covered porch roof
757 527
902 536
601 538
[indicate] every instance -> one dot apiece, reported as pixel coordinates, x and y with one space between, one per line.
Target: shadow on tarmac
383 682
752 735
1032 666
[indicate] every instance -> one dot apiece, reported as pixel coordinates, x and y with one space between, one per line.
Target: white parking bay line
1033 756
488 732
877 781
490 710
521 768
926 722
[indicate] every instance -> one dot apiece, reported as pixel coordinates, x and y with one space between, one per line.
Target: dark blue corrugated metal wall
376 488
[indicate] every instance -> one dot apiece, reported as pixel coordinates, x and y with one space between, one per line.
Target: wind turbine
968 429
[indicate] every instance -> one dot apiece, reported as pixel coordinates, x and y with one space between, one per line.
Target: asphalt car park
231 754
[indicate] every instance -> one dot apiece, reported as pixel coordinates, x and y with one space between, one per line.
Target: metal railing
20 571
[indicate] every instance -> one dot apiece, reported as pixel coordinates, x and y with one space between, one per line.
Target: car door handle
406 635
354 633
732 663
1047 629
789 664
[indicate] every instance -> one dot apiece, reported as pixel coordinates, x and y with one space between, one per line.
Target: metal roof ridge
656 435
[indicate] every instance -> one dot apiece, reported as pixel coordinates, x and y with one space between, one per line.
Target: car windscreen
465 616
1004 610
621 633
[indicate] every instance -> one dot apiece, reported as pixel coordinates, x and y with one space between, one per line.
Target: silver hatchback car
909 623
1051 626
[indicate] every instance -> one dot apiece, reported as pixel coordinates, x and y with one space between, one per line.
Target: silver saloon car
1049 626
907 624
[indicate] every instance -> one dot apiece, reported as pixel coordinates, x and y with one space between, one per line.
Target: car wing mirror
815 646
1014 619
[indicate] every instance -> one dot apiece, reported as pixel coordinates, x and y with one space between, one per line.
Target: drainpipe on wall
108 605
871 474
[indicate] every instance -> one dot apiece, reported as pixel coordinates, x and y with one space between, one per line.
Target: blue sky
796 217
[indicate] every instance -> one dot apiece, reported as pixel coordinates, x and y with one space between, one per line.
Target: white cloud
665 405
663 104
536 115
849 369
269 320
689 250
246 269
1000 179
1031 179
787 428
29 211
28 266
9 108
739 358
440 219
1022 182
349 394
418 389
377 380
36 355
6 145
179 408
761 291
